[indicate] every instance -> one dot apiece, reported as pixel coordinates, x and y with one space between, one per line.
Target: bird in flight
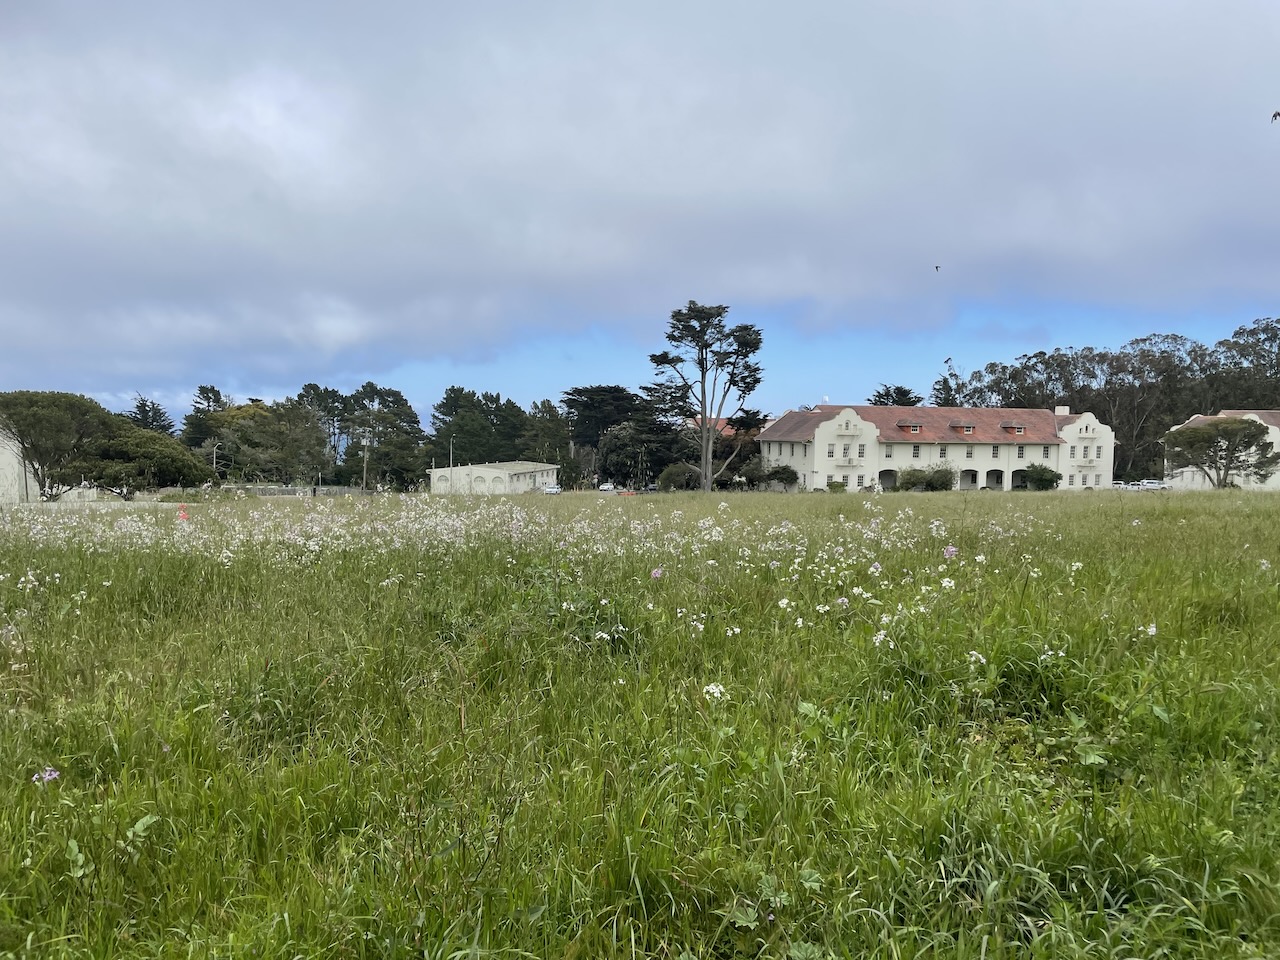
1275 116
936 268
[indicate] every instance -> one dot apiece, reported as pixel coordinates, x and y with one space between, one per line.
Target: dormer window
968 429
915 429
1019 430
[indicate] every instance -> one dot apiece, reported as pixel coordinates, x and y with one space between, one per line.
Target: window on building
888 451
793 449
862 450
830 479
915 429
1073 452
1099 449
968 429
942 451
1045 454
846 424
845 451
1019 430
831 450
862 480
1071 479
844 478
1084 479
968 452
915 451
1097 479
1022 452
995 451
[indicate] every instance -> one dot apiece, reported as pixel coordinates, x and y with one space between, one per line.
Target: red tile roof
721 425
1270 417
937 424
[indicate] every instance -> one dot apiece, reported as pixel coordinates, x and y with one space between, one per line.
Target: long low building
512 476
865 446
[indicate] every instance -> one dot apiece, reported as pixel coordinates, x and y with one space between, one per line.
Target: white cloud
286 191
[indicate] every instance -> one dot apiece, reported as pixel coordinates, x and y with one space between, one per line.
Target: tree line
685 429
1142 390
690 427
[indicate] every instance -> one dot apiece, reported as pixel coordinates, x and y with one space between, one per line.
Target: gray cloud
292 190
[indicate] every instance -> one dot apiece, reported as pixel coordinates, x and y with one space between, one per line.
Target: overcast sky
513 196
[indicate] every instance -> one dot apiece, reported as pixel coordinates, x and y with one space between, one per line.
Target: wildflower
947 583
1077 566
843 601
1264 564
47 775
799 621
976 658
655 573
950 551
1151 630
784 603
980 558
714 691
879 638
1136 522
875 569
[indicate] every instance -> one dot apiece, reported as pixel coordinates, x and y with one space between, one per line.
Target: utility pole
364 483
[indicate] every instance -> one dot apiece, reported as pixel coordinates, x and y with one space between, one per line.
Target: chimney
1062 411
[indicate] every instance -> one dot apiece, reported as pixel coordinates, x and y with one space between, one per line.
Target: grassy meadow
675 726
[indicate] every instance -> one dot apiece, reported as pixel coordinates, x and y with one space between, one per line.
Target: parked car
1154 485
607 488
551 488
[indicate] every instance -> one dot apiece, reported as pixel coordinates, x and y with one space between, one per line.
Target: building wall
16 483
1088 466
872 459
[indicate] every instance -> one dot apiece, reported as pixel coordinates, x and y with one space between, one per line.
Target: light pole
364 483
451 490
215 459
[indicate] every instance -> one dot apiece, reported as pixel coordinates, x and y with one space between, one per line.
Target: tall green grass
950 726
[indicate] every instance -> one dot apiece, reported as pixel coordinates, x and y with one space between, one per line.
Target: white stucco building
512 476
16 483
866 446
1189 478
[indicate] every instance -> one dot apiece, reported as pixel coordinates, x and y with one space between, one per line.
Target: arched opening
1018 480
995 479
888 479
968 480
